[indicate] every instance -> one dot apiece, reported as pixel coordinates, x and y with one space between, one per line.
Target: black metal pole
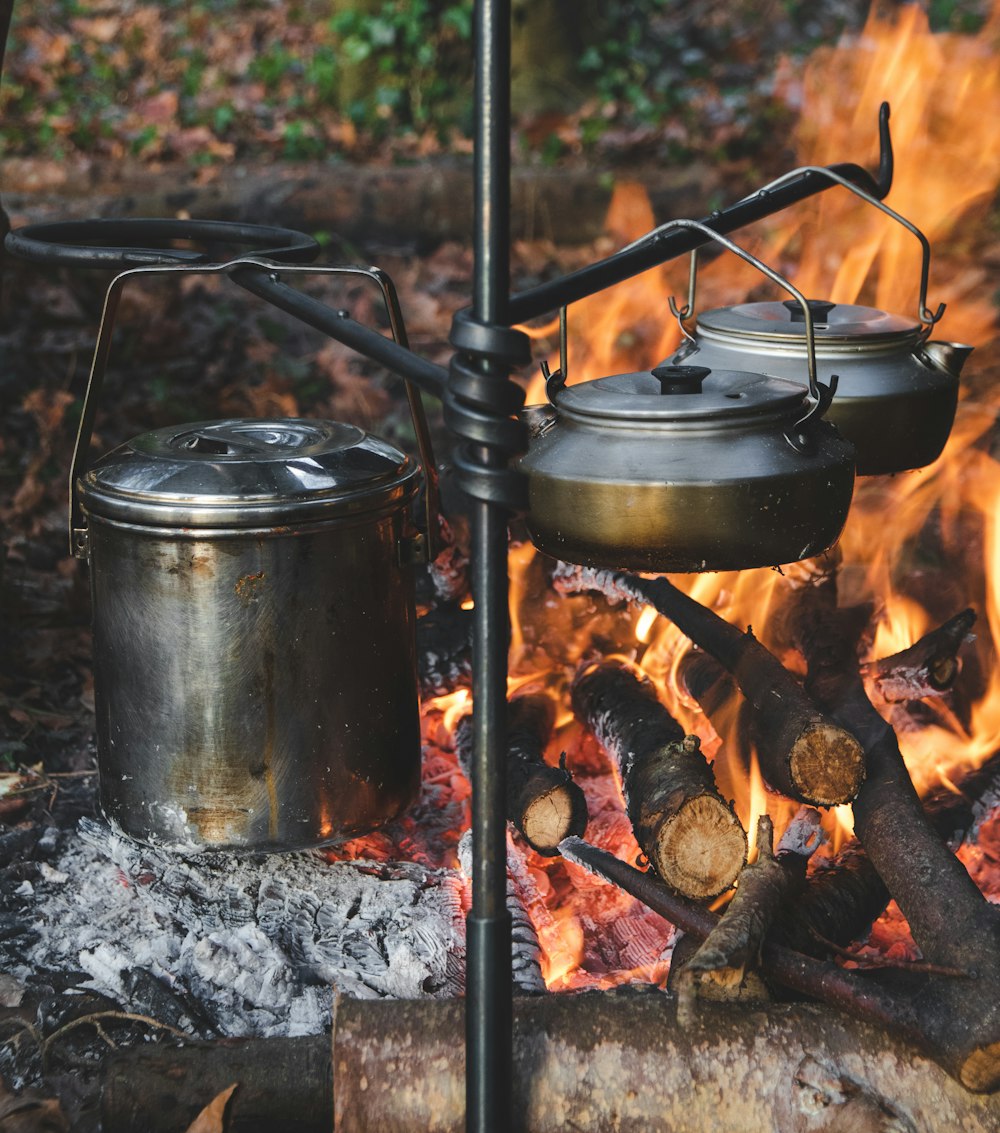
488 944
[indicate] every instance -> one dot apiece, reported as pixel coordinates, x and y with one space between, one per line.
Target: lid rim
848 323
729 397
272 468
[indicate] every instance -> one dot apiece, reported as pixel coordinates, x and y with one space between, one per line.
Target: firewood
605 1060
842 900
933 1012
543 802
735 943
684 826
719 697
803 753
927 668
444 650
284 1084
952 923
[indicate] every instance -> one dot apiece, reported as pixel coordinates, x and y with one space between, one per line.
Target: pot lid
681 394
244 472
832 323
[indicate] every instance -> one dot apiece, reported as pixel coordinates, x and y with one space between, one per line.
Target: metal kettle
897 392
688 468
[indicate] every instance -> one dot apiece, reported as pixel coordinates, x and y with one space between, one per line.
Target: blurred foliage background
213 80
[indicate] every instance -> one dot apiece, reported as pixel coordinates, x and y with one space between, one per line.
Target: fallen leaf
212 1118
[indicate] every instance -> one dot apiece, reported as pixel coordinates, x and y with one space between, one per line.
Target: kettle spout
947 356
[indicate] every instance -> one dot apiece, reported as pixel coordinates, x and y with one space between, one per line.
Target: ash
219 944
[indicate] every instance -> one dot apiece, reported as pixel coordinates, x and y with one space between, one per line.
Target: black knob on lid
680 379
818 308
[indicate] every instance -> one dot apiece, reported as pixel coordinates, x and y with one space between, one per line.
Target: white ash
253 944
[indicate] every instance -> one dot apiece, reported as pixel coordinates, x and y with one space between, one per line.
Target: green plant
419 53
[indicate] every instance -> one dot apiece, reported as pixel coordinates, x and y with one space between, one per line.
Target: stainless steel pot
254 656
897 392
687 468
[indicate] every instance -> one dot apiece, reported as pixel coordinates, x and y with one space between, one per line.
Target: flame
917 547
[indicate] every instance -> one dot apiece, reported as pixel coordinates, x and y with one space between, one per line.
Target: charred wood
803 753
951 922
543 802
522 903
597 1061
681 822
284 1084
448 572
444 650
934 1012
927 668
842 900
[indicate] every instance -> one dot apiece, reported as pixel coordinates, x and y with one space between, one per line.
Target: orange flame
918 546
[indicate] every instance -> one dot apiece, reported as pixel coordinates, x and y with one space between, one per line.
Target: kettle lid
681 394
832 323
246 471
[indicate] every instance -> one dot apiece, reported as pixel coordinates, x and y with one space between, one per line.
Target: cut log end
554 815
826 765
701 848
980 1072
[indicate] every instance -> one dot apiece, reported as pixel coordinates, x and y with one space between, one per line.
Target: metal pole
488 945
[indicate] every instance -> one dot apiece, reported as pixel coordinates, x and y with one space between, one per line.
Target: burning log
597 1061
803 754
543 802
951 922
927 668
682 823
448 572
841 901
735 943
444 650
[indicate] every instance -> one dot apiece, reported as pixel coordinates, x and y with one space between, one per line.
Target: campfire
664 733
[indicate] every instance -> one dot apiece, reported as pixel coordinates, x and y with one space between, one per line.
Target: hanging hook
685 312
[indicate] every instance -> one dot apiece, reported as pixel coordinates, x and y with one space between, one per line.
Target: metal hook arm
926 316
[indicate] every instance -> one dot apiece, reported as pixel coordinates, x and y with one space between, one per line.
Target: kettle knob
680 379
818 308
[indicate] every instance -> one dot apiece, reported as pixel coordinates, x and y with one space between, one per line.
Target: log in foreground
934 1012
543 802
802 752
681 822
594 1062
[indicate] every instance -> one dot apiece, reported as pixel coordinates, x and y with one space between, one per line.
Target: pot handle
820 394
926 317
102 350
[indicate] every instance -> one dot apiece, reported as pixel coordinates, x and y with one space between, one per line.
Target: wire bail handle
926 317
78 537
820 395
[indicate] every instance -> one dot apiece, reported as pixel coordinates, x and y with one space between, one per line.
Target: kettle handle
819 394
925 315
102 351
